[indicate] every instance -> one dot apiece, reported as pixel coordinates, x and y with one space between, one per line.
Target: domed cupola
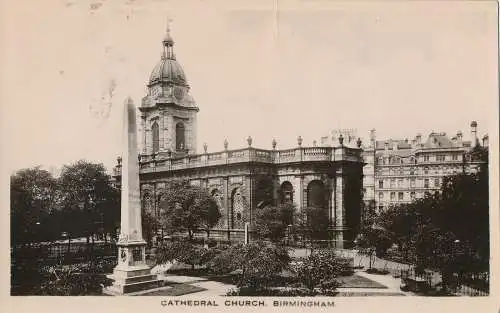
168 70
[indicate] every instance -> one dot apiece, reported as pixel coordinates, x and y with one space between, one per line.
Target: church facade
328 177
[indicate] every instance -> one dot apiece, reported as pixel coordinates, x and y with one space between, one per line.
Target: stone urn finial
314 143
205 147
341 139
274 144
358 142
225 144
299 141
119 160
249 140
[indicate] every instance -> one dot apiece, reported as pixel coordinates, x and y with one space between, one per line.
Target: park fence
61 252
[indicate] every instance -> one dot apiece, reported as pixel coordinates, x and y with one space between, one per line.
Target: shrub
211 243
72 280
185 252
256 263
320 269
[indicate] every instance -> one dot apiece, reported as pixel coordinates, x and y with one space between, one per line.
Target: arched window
237 208
316 195
156 137
180 143
286 192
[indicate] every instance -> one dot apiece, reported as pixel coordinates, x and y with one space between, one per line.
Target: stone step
134 287
138 279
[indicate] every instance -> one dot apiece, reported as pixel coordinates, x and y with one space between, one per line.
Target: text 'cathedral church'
326 177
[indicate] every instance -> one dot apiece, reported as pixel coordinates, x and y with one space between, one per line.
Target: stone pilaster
161 124
339 210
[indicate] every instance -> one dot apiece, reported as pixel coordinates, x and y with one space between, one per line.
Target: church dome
168 70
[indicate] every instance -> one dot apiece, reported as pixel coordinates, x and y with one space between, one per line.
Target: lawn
355 281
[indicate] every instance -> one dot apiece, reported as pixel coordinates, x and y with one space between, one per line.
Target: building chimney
394 145
454 141
459 138
473 130
485 141
418 139
372 137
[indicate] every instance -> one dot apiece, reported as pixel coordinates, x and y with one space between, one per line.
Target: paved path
220 289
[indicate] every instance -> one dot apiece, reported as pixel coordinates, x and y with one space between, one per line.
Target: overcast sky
301 69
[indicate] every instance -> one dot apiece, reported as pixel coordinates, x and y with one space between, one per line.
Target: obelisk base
132 274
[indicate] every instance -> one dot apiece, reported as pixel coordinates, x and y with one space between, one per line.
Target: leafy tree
448 230
272 222
313 223
33 194
188 208
257 262
87 195
264 191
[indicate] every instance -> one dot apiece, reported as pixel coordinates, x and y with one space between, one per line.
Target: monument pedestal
132 274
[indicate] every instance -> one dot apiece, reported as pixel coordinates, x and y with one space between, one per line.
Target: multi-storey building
401 170
325 177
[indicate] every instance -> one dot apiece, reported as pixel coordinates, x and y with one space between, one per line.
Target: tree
33 194
313 223
272 222
87 195
188 208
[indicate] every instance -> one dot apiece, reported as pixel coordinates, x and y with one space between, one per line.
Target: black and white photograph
268 154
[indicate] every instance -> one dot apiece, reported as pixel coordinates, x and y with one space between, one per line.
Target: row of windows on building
418 171
402 183
400 196
179 136
385 160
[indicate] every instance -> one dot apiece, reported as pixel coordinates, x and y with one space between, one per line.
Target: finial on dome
168 42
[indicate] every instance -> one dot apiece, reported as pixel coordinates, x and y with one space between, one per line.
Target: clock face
179 93
156 92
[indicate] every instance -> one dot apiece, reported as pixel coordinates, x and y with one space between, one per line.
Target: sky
265 69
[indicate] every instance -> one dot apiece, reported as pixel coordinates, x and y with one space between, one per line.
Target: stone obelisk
132 274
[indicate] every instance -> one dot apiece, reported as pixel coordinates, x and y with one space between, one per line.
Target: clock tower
168 111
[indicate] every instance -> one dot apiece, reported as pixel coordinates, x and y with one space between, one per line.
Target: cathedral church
328 177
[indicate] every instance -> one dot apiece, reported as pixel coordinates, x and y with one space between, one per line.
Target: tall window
426 158
156 137
180 143
400 183
412 182
412 195
426 183
400 196
455 157
436 182
380 196
380 184
393 183
286 192
393 196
